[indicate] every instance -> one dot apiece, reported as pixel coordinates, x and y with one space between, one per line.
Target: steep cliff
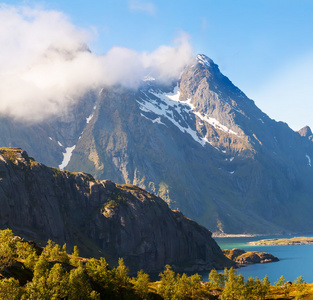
204 147
199 143
102 218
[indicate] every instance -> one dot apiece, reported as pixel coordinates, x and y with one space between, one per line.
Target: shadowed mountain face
200 143
102 218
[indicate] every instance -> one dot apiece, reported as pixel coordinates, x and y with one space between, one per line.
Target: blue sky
264 46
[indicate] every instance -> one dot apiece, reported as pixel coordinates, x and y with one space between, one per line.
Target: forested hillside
31 272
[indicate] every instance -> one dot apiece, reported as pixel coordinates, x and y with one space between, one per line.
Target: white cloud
141 5
45 65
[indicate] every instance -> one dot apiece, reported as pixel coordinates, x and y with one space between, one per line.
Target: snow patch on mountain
309 160
180 113
202 59
148 78
216 124
169 106
157 120
89 119
67 157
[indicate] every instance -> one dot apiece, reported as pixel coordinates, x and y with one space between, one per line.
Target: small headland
241 257
302 240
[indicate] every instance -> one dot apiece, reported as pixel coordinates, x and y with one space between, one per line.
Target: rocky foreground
241 257
100 217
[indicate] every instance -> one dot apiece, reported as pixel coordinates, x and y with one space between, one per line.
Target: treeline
31 272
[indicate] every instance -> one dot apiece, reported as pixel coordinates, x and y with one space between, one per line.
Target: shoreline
283 242
231 235
226 235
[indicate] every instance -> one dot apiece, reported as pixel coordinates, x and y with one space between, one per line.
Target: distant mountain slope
202 145
100 217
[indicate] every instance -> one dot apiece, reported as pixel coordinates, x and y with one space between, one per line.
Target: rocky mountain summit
100 217
306 132
199 143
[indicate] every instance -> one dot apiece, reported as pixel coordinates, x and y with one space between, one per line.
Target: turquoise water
295 260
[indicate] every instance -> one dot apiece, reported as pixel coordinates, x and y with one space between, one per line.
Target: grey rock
100 217
254 175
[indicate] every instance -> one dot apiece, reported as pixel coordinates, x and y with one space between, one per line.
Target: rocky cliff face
204 147
200 143
102 218
48 141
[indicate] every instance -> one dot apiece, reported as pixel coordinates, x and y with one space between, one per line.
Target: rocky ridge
199 142
100 217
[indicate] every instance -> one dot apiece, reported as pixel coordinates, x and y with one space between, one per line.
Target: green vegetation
16 154
235 287
10 153
30 272
302 240
114 201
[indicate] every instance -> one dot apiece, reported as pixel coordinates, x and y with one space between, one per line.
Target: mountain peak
208 64
204 60
305 131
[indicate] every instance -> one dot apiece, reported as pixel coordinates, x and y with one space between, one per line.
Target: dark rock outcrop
241 257
100 217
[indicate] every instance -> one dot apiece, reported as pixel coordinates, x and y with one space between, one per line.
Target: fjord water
295 260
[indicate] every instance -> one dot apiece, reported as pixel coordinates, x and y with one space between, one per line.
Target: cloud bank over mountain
45 63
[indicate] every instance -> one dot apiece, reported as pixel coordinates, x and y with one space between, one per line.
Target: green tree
63 256
121 273
265 288
41 268
280 281
10 289
98 271
195 286
37 288
234 286
256 289
94 296
282 285
182 287
300 287
24 249
7 246
57 282
74 260
141 284
166 287
55 252
216 279
31 260
79 288
249 288
48 248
